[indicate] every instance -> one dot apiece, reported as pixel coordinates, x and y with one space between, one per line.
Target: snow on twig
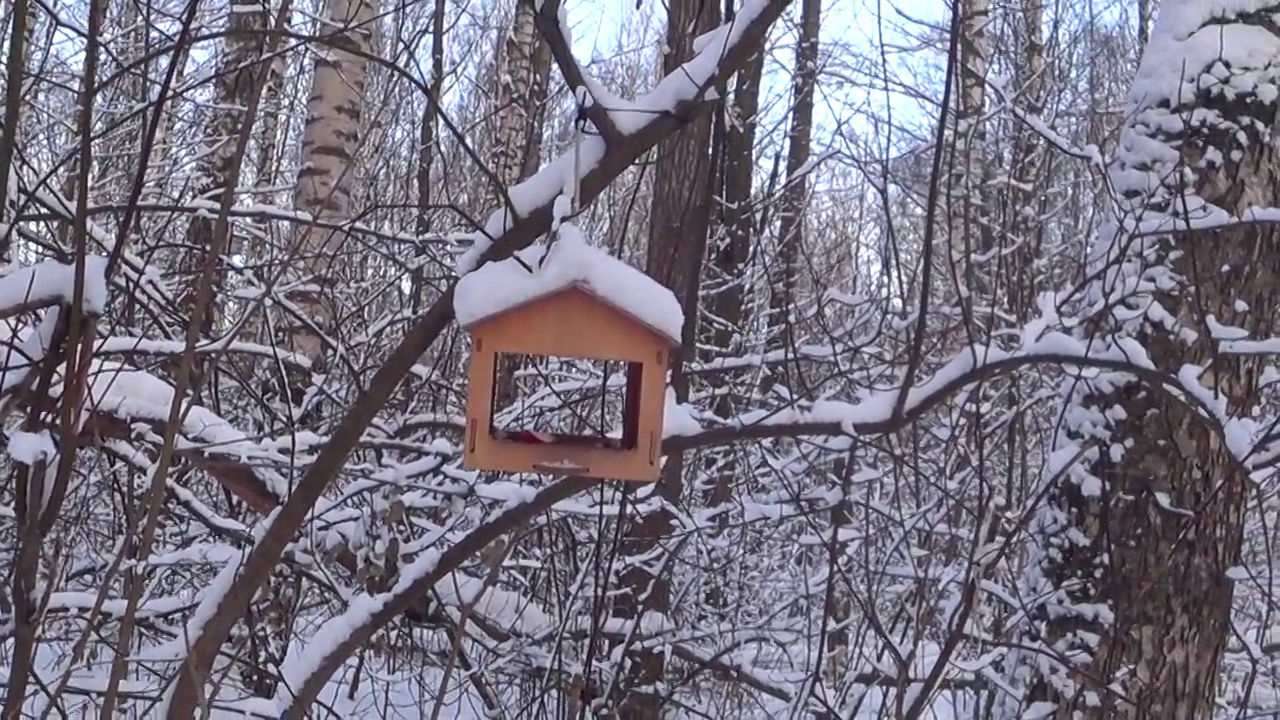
50 282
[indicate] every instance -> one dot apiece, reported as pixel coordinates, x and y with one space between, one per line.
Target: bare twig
547 17
255 569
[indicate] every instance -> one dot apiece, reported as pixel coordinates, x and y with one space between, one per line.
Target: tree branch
717 61
879 415
546 16
392 604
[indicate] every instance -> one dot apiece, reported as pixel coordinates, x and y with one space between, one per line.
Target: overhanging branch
712 66
546 16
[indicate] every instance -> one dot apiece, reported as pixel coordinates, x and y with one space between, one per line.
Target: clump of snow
677 419
569 261
1172 68
30 448
51 281
692 79
32 347
136 395
524 198
1195 49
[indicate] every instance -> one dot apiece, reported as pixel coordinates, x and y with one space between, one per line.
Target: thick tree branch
546 16
716 62
879 415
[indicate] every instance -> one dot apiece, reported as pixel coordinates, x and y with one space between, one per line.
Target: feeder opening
576 402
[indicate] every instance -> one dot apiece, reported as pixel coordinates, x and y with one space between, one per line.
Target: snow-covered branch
552 24
50 283
366 614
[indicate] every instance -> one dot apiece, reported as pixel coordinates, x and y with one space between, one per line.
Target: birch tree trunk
330 140
523 71
1025 203
967 264
1130 584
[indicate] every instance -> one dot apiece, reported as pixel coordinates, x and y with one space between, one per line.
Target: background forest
975 415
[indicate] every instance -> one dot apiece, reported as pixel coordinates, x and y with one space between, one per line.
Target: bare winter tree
234 407
1131 586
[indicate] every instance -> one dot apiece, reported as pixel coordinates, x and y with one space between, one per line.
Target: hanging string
579 126
574 183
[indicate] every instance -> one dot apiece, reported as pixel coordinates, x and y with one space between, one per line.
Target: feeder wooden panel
570 323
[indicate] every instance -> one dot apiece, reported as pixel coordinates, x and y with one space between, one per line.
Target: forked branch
406 592
676 100
546 15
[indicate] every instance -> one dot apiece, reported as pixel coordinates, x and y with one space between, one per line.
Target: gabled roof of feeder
500 287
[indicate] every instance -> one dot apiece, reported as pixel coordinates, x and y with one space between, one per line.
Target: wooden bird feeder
576 303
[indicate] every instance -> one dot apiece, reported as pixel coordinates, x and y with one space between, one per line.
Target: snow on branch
25 349
306 675
122 402
53 283
875 412
643 123
144 285
129 394
550 18
122 345
504 610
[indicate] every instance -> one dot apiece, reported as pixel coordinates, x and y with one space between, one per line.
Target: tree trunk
1145 8
796 195
679 220
330 140
523 71
428 132
967 264
726 282
1131 575
1025 204
737 218
219 166
680 215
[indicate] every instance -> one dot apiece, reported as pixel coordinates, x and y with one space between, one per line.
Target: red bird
532 437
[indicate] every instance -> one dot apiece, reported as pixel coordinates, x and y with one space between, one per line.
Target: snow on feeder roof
571 262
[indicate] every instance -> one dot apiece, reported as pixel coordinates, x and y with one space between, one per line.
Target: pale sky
852 34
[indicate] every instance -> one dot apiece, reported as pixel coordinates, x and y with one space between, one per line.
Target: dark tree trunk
724 287
680 218
1131 580
523 73
795 198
